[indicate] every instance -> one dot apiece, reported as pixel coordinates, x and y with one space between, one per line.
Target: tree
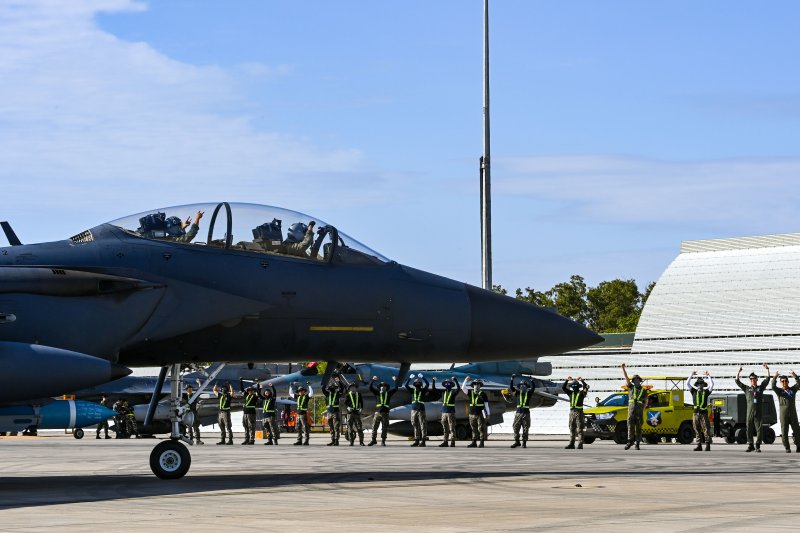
542 299
647 291
499 289
570 299
614 306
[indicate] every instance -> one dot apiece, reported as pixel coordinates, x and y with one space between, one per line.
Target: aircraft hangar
721 304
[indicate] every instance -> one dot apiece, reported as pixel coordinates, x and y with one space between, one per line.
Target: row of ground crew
700 387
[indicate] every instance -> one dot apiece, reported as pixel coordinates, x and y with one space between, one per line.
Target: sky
619 129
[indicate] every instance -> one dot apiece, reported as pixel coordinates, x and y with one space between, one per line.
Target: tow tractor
666 414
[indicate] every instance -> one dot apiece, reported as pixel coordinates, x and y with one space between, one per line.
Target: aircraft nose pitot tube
44 371
506 328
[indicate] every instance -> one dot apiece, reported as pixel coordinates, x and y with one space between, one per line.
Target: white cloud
747 195
89 117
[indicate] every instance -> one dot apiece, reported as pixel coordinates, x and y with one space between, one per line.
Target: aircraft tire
170 460
77 433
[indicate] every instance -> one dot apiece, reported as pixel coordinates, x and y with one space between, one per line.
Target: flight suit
477 416
270 420
755 403
522 418
249 417
355 404
788 412
419 419
381 418
194 429
130 421
104 424
301 424
577 420
449 415
332 398
637 395
224 417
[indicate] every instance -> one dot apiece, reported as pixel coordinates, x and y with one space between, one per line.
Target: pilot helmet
175 227
296 232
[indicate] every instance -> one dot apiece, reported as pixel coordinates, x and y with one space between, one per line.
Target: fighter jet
495 377
260 283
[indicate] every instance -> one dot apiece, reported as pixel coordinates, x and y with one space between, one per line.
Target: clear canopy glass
252 228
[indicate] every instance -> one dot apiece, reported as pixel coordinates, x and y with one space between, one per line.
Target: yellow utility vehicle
666 414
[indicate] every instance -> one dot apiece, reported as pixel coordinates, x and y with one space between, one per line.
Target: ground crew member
332 398
637 396
383 398
755 401
194 429
104 424
576 390
119 419
355 405
130 419
700 391
478 411
451 390
249 403
301 423
786 398
269 415
418 419
522 419
225 395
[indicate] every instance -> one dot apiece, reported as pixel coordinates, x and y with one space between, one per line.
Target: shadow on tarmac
21 492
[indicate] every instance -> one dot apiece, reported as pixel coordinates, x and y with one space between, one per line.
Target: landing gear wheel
170 460
621 433
77 433
769 435
685 432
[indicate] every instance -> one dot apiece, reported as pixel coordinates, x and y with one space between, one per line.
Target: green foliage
612 307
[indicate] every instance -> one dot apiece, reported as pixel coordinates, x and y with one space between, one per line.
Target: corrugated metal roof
741 243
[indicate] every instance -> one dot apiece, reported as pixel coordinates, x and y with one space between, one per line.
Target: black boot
698 448
750 447
221 442
628 446
305 443
637 445
443 445
332 442
473 445
570 446
383 442
422 443
361 440
452 443
708 446
336 443
373 442
416 443
298 443
524 443
516 443
788 450
480 445
269 442
276 441
580 445
230 441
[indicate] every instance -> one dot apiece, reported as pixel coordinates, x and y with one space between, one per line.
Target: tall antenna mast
485 165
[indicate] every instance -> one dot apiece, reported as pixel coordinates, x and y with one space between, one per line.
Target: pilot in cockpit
176 228
299 239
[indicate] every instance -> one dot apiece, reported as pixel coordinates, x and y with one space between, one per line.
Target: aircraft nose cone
506 328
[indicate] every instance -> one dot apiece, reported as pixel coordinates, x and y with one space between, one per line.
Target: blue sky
619 128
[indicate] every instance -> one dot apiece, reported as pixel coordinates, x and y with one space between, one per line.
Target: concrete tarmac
59 483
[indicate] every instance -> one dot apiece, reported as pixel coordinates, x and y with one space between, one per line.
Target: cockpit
250 228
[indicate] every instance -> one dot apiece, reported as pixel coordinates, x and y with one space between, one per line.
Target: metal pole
486 199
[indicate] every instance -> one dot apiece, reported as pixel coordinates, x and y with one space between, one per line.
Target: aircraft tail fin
13 240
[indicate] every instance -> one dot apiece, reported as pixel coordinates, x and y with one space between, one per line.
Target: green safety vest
701 400
522 399
475 399
224 402
332 399
250 400
416 395
574 398
354 399
637 397
302 403
269 405
383 399
447 398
